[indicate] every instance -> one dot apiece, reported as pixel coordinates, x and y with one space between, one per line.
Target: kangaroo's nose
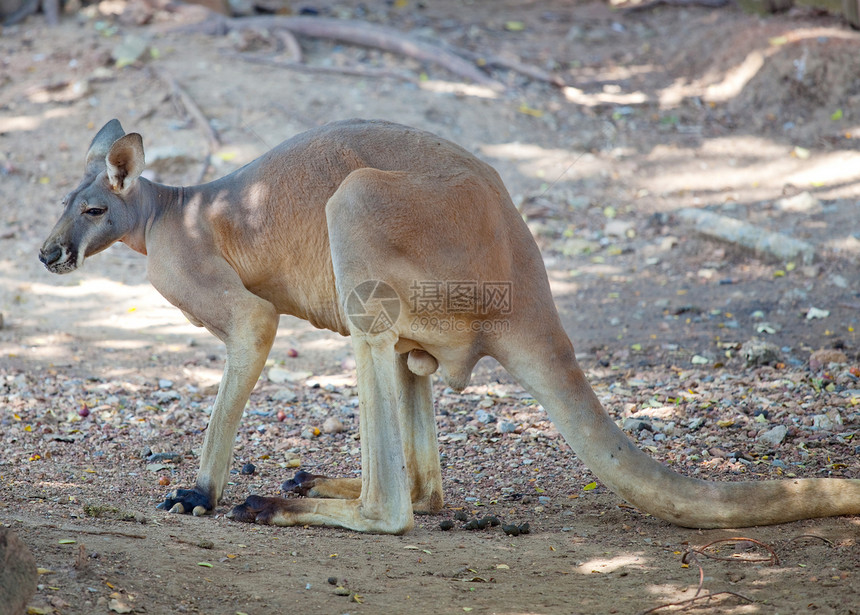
51 255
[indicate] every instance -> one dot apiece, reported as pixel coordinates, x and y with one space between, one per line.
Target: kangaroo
410 245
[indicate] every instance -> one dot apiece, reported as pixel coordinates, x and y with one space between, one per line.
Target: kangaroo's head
102 209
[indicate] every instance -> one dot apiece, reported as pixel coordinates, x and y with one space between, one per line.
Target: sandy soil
664 109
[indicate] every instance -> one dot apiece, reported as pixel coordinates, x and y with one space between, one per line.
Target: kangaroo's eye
95 211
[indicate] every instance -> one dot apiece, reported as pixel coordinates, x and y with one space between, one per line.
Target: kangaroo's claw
187 501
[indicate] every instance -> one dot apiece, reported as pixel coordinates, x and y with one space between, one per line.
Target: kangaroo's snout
49 255
59 258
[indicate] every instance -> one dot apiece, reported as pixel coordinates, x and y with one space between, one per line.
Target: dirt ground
663 109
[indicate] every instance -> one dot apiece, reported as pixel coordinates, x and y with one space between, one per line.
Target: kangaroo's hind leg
418 431
383 504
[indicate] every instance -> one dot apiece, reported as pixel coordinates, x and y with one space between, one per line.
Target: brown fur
306 226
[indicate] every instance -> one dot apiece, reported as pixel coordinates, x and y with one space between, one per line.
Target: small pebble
484 417
461 516
333 425
310 433
446 525
511 530
332 580
248 469
164 481
292 353
341 591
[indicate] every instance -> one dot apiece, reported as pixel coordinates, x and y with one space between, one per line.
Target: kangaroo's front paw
187 501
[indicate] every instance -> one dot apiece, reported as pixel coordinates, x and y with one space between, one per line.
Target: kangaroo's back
270 216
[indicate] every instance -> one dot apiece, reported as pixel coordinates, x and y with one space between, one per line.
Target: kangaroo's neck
151 202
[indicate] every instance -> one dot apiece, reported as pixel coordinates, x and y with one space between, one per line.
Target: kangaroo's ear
125 162
99 148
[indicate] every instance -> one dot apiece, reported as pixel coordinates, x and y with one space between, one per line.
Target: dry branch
356 33
214 141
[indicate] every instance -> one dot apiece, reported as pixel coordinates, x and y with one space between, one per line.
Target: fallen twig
532 72
357 33
821 538
690 556
200 544
92 532
692 600
803 536
105 533
96 532
773 559
197 115
630 7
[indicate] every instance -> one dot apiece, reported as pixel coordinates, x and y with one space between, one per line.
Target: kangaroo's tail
558 383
